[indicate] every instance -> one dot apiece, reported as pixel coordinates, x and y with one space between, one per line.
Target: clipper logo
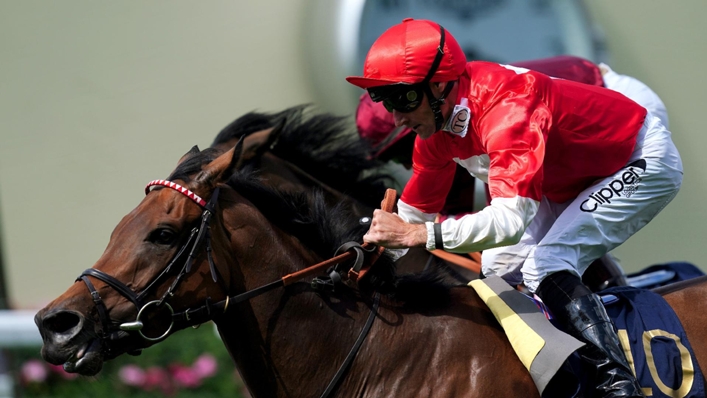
626 185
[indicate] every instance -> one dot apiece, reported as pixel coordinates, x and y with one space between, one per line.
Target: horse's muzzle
69 340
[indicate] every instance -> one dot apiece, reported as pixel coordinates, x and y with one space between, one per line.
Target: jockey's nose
400 118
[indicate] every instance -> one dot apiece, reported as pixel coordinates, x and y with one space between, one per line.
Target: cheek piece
435 103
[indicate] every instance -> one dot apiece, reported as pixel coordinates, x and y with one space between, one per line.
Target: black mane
324 145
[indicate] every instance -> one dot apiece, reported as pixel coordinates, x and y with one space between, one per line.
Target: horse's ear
193 151
274 135
258 143
223 166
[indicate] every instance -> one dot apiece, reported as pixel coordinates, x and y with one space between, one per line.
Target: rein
355 273
472 264
206 312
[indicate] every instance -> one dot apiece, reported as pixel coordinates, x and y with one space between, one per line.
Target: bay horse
287 342
212 233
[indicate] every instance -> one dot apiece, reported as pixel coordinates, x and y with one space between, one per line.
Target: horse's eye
163 236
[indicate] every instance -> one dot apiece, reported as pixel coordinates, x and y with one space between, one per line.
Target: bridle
192 317
196 238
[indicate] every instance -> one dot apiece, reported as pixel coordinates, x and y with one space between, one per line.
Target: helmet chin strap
436 103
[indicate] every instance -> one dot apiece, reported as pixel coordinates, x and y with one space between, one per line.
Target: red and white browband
191 195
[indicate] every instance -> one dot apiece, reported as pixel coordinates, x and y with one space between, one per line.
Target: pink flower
184 376
132 375
34 371
205 366
156 377
59 369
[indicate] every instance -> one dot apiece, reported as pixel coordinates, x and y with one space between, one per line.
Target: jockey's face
422 119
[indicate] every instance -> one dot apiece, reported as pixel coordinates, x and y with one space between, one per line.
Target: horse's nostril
61 322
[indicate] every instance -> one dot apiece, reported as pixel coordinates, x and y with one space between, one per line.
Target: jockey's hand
391 231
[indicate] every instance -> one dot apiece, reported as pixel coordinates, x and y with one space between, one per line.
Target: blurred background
97 98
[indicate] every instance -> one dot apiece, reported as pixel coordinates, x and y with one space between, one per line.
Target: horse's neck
270 337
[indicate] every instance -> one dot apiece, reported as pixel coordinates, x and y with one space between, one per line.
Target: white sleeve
502 223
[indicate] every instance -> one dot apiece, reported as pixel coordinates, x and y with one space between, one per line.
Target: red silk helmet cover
404 54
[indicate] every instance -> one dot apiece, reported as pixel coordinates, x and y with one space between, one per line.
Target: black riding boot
586 320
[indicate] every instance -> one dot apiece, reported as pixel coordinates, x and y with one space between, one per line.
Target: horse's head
158 263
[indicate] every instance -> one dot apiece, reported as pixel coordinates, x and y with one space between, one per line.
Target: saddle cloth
655 343
652 337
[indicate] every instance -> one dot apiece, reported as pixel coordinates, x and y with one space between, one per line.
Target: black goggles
400 97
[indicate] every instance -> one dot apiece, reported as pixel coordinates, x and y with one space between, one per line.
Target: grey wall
664 44
98 98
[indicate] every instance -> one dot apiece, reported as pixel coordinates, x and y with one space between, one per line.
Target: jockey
573 171
468 195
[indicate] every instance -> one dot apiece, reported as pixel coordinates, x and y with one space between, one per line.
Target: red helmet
377 126
405 53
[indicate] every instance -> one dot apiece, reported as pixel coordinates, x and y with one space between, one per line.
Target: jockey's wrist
434 238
